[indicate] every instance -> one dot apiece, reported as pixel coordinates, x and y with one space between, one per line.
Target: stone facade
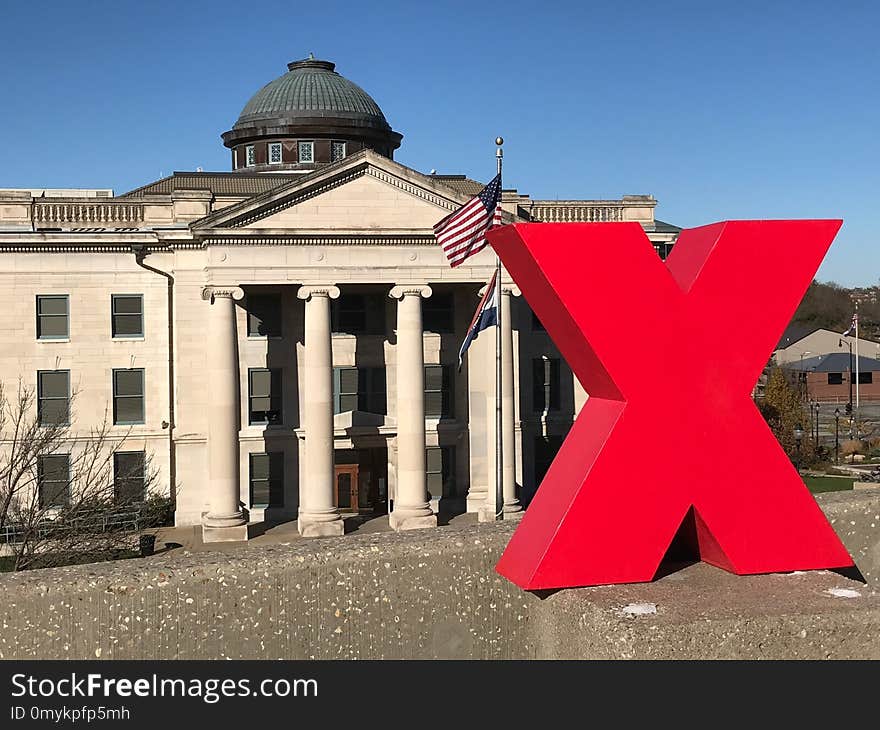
358 227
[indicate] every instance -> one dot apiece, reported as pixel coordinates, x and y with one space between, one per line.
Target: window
129 476
264 386
128 396
440 469
337 151
127 315
53 397
267 480
359 314
306 151
250 157
438 313
53 480
438 391
275 153
359 389
545 451
52 317
235 159
545 384
835 378
865 378
264 315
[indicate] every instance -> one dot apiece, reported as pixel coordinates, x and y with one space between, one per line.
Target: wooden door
346 478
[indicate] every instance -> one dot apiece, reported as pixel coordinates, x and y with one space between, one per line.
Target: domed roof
311 89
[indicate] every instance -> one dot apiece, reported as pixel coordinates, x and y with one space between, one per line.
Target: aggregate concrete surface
434 594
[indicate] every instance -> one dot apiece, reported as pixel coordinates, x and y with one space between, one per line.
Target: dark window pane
264 315
53 326
127 304
261 382
433 377
54 384
866 378
438 391
835 378
52 305
128 410
128 325
375 400
129 476
348 402
53 397
267 480
433 460
348 381
53 475
54 411
265 396
128 382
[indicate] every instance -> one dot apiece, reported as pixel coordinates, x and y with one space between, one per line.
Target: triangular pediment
366 192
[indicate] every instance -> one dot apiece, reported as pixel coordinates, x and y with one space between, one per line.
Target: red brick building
831 378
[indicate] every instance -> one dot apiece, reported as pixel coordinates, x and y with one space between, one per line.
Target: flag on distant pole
462 233
486 316
852 325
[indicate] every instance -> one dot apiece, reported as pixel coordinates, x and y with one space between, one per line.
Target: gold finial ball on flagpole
499 141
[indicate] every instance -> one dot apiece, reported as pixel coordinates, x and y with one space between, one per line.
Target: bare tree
67 497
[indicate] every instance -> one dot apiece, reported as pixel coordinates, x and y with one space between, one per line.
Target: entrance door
346 477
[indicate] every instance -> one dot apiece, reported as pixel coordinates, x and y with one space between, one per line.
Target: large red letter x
668 353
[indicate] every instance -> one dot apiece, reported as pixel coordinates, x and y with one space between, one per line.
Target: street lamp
836 435
798 435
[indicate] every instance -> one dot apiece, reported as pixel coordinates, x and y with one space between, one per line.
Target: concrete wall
434 594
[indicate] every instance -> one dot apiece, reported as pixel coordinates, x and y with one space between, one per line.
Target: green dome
311 89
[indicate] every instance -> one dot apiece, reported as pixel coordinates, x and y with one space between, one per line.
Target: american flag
463 233
852 325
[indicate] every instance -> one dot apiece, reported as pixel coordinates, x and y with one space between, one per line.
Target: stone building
282 339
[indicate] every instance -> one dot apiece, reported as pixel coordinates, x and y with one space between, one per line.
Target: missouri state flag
486 316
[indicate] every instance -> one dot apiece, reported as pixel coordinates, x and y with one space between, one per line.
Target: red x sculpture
669 441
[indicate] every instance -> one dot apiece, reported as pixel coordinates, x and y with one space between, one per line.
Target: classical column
318 514
508 410
224 521
411 507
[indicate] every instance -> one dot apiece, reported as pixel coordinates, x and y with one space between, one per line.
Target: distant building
800 342
831 378
249 327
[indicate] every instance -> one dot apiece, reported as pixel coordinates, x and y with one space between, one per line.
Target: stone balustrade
577 212
88 213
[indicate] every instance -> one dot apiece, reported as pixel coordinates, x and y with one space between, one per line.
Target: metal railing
133 517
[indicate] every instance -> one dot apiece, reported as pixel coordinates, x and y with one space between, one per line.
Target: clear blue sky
720 110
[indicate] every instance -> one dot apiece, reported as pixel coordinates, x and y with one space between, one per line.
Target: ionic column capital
510 289
210 293
402 290
318 290
507 287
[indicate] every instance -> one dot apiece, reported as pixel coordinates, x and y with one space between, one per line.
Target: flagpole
499 464
857 365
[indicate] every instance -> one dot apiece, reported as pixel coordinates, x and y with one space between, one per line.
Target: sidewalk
190 538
